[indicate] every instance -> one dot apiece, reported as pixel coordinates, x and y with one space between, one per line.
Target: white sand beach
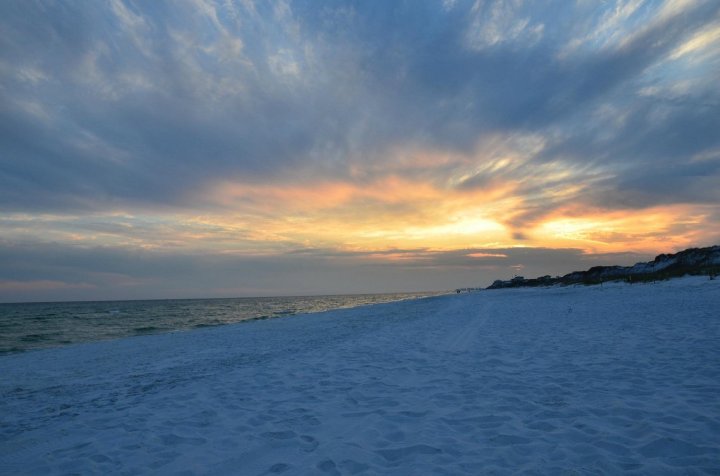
568 380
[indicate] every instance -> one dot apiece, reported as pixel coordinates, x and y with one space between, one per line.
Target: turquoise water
29 326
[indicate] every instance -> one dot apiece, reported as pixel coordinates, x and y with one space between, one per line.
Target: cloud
259 128
132 103
48 271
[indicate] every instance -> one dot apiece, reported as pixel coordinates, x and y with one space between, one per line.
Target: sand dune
576 380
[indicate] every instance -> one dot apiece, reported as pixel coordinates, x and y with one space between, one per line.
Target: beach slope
566 380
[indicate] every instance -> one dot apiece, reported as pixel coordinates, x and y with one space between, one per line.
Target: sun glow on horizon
386 214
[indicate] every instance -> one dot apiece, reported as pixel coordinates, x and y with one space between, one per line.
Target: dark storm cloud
110 104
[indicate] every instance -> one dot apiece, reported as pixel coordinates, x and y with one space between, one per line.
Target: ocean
27 326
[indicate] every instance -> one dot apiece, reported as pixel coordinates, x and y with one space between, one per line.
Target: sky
227 148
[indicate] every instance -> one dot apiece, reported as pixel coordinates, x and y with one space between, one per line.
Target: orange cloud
486 255
647 230
494 200
394 212
389 212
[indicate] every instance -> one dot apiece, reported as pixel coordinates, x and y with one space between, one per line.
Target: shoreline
32 326
612 379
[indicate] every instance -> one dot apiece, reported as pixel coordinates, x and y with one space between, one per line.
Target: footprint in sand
308 444
328 466
278 468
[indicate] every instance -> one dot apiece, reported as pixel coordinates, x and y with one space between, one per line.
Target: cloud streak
60 272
